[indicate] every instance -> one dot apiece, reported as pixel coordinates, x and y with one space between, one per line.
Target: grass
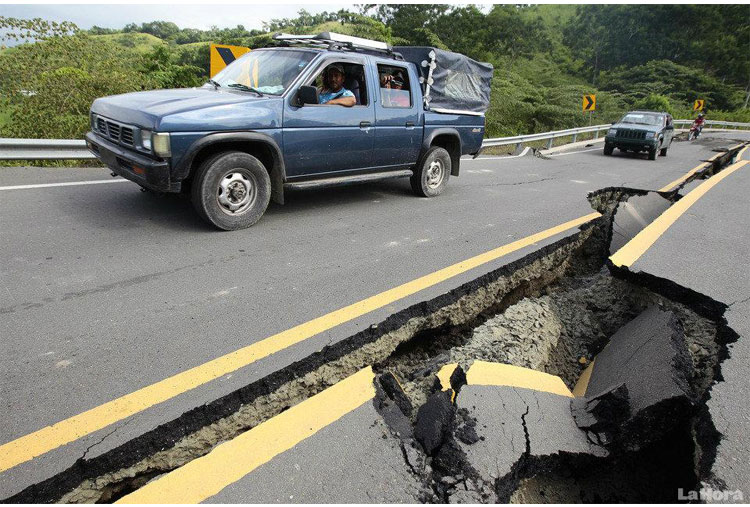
140 42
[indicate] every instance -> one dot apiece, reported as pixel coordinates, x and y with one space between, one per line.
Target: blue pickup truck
234 143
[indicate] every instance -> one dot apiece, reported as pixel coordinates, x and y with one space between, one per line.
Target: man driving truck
333 91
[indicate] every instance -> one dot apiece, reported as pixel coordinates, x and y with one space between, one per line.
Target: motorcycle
695 131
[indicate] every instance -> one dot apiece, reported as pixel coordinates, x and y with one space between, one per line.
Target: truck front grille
631 134
114 131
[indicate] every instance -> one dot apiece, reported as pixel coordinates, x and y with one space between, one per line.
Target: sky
199 16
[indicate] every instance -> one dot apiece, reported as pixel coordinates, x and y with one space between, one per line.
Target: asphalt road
106 290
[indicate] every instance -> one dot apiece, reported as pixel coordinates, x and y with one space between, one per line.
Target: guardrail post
549 143
596 134
518 147
575 136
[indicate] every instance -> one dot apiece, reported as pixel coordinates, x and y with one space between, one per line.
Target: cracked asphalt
107 290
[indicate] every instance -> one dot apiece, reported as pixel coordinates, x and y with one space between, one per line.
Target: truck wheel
431 173
652 154
231 190
608 149
663 152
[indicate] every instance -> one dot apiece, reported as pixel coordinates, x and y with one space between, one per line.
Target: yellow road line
444 376
204 477
583 381
497 374
683 178
632 250
51 437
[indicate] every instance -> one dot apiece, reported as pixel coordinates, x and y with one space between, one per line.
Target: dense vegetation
545 56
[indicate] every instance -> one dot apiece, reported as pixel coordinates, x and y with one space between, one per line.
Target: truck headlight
146 139
652 135
612 132
161 145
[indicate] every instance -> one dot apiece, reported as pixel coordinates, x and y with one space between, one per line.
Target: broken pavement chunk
433 421
602 414
519 428
639 381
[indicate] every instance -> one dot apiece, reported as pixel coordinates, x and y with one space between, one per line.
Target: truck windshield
642 119
269 72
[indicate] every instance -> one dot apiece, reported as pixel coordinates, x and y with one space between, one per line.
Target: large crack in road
552 311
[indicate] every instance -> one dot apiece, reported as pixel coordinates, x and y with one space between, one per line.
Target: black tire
231 190
608 149
663 152
652 154
431 173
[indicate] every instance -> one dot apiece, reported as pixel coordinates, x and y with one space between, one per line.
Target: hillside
545 57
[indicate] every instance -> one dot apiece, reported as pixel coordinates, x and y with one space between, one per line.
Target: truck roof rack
338 42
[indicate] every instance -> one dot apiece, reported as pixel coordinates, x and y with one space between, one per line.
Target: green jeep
639 131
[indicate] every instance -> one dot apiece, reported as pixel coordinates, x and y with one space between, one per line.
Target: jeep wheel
231 190
663 152
652 153
431 173
608 149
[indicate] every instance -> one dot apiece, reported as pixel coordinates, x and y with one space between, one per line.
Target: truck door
319 138
398 129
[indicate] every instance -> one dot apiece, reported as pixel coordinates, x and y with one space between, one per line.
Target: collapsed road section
433 427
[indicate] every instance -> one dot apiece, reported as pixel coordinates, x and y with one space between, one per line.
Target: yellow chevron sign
222 55
699 104
589 102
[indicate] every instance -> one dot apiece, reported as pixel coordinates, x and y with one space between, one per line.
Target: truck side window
395 89
354 80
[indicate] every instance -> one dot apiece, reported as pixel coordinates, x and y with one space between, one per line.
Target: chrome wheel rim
236 192
434 174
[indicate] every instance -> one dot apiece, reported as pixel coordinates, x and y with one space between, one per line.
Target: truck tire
663 152
652 153
608 149
431 173
231 190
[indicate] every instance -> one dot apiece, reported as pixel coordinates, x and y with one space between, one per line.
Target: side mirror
307 95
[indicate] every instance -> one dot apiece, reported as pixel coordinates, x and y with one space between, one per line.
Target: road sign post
699 104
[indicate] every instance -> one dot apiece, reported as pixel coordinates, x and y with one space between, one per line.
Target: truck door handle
409 123
365 124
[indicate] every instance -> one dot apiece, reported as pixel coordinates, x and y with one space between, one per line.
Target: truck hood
192 109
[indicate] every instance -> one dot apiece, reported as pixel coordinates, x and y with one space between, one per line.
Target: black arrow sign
226 55
589 103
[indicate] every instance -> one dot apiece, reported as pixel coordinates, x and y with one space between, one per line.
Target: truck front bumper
148 173
632 144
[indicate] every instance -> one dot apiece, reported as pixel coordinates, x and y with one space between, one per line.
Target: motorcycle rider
698 124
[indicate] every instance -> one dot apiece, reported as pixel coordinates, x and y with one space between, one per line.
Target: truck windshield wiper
246 88
216 85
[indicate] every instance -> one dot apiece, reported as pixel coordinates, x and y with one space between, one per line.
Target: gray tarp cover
459 82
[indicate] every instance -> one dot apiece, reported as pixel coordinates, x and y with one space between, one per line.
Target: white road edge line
572 152
523 153
64 184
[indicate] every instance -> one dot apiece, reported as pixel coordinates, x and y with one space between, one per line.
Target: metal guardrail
44 149
75 149
549 136
716 123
